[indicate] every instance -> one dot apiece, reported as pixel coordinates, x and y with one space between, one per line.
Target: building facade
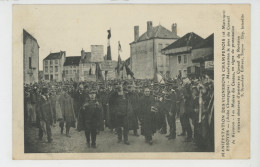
179 53
30 58
71 68
53 66
145 51
89 61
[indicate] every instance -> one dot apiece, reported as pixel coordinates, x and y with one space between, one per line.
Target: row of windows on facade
89 72
51 62
51 69
185 59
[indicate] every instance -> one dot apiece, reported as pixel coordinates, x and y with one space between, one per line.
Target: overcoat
121 111
133 107
89 116
147 117
67 109
45 113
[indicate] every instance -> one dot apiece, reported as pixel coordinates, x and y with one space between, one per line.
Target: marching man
89 118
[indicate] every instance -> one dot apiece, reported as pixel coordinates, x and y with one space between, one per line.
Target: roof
189 39
208 42
26 35
72 61
86 58
157 32
53 56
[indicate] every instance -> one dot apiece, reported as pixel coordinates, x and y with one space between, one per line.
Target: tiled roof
190 39
157 32
53 56
72 61
26 35
208 42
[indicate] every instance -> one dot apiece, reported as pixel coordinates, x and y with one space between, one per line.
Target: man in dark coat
134 99
147 115
119 107
79 99
45 116
89 118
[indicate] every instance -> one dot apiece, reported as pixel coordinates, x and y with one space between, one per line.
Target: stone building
179 53
53 66
88 62
30 58
146 56
71 68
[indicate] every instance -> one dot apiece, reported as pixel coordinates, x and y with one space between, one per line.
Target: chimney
174 28
82 53
149 25
136 31
149 28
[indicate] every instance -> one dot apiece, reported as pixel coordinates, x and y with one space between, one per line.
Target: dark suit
89 120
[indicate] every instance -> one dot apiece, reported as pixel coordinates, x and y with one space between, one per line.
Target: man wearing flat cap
89 118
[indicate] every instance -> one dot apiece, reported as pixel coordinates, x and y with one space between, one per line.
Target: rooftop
72 61
53 56
189 39
26 35
208 42
157 32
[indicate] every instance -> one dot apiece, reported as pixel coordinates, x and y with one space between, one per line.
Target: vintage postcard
131 81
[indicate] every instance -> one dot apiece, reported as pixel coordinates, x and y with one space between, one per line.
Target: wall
142 61
31 50
175 66
57 76
84 71
71 72
163 62
97 53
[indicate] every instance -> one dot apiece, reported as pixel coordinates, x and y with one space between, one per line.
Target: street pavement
106 142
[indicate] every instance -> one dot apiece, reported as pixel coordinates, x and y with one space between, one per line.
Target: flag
129 71
119 47
119 62
108 45
109 34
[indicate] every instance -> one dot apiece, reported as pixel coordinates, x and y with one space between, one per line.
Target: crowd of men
123 106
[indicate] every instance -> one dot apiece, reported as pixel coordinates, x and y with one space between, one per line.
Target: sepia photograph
97 81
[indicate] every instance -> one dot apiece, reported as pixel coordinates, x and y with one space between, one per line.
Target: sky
72 28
